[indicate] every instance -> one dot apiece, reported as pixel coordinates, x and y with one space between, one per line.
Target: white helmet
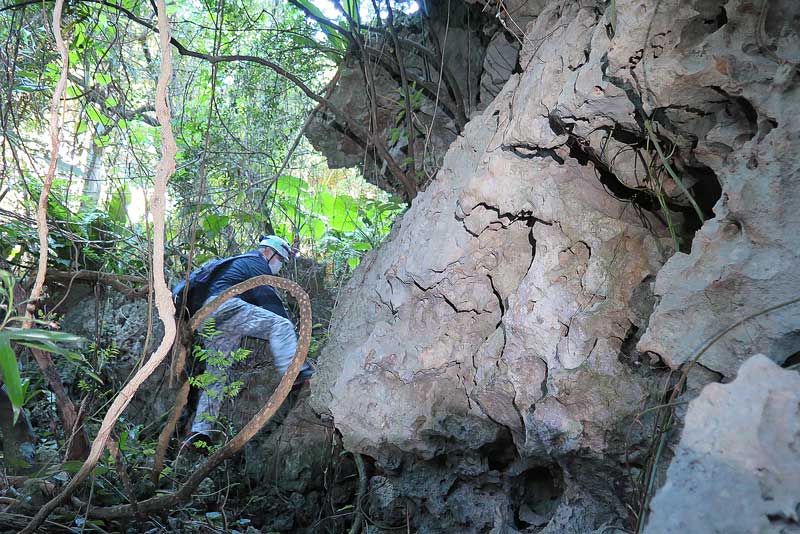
278 244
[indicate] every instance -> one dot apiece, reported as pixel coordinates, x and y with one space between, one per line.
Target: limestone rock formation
479 55
521 313
737 467
744 260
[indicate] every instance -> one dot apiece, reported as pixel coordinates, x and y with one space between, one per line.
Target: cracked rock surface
492 355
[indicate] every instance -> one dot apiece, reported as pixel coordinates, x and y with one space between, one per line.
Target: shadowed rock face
506 334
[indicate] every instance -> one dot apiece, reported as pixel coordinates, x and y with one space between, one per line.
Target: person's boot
303 379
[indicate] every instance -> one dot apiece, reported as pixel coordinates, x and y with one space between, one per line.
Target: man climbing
258 312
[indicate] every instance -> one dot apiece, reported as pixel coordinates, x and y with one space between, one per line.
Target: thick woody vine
163 298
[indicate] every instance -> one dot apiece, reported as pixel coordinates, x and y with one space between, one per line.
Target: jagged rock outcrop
744 261
479 55
520 315
740 450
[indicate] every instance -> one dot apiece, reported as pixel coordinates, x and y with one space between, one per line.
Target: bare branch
41 213
93 94
67 412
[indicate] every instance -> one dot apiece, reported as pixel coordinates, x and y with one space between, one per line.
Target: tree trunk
93 179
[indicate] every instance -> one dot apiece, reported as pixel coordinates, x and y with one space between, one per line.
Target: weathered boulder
737 467
499 329
120 335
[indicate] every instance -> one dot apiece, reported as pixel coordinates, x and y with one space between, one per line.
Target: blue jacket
245 268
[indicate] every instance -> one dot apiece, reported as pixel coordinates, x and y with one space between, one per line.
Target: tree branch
69 416
368 138
404 83
41 213
95 95
450 80
117 281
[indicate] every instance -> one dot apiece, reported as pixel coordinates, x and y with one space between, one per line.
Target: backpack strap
227 260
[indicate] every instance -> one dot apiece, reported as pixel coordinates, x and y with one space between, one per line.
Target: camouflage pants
235 319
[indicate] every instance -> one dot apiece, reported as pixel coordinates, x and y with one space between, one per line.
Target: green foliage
416 98
345 227
40 339
335 40
611 14
665 161
218 360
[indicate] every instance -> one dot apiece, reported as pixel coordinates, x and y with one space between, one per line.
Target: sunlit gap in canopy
366 9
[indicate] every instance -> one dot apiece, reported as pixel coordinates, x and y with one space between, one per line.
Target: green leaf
55 349
10 372
73 466
344 214
327 204
96 116
333 37
94 376
36 335
102 79
214 224
311 8
353 262
352 8
291 185
103 140
123 440
360 245
7 280
116 205
612 16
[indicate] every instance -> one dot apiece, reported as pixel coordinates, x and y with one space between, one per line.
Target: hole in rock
501 452
538 493
791 361
706 192
627 352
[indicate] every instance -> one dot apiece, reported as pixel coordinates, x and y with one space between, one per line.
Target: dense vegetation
235 123
243 169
